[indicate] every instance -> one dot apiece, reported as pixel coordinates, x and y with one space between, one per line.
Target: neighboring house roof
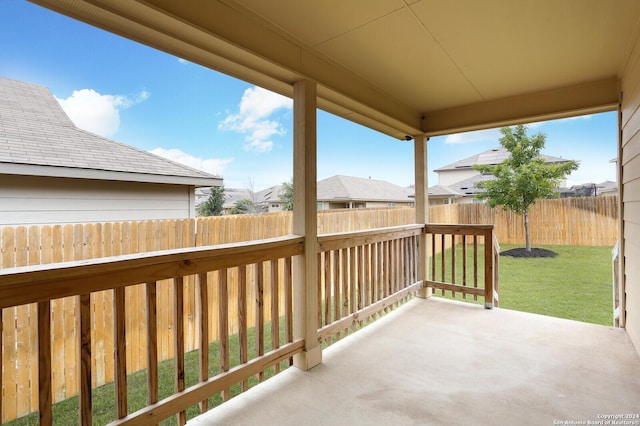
607 186
467 187
233 195
443 191
269 195
37 138
349 188
491 157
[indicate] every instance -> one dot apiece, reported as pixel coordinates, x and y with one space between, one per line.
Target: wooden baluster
443 260
453 262
347 285
178 316
392 268
357 254
335 277
44 363
84 358
433 257
152 344
288 302
328 256
380 266
120 352
389 267
275 309
321 278
464 264
352 282
203 306
223 326
365 256
475 265
242 319
405 263
496 275
488 269
259 271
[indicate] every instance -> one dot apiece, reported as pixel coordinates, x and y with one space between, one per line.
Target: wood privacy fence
575 221
22 246
584 221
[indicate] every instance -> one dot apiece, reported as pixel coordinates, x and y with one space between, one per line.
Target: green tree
245 206
213 205
286 193
524 177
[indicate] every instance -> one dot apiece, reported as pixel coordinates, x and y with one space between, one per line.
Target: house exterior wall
30 200
630 193
449 177
374 204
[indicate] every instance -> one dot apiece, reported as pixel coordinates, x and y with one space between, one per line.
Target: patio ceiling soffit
215 34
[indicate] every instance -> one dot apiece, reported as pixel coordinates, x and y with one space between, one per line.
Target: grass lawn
577 284
103 399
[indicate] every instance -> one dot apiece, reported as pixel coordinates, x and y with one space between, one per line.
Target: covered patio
411 69
438 361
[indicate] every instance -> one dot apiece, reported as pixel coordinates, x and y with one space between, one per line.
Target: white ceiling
400 66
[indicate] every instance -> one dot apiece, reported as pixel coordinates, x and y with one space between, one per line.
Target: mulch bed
535 252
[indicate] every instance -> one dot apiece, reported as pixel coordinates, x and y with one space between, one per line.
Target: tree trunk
526 230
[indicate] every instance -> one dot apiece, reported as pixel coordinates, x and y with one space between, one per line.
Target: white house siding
449 177
374 204
630 141
29 200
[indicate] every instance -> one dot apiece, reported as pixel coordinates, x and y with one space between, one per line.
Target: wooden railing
464 260
40 285
362 274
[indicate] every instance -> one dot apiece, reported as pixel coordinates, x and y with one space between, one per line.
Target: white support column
305 219
422 203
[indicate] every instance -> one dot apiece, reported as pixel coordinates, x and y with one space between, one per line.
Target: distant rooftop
38 138
491 157
349 188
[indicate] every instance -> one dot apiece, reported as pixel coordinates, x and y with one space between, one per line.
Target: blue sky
159 103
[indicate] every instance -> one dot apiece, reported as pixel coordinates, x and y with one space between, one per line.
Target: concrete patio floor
440 362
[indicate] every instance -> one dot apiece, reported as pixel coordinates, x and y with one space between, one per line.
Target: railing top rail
340 240
457 229
39 283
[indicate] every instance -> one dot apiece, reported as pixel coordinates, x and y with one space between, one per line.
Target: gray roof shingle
491 157
35 131
344 188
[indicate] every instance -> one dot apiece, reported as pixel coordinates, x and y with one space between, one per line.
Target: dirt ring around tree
522 252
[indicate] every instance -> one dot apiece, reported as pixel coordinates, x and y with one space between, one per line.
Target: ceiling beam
586 98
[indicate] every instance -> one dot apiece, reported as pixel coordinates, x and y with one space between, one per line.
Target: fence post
488 268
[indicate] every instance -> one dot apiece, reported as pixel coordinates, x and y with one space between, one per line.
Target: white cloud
475 136
253 119
96 113
494 134
214 166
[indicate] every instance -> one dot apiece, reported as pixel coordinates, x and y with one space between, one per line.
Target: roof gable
35 131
